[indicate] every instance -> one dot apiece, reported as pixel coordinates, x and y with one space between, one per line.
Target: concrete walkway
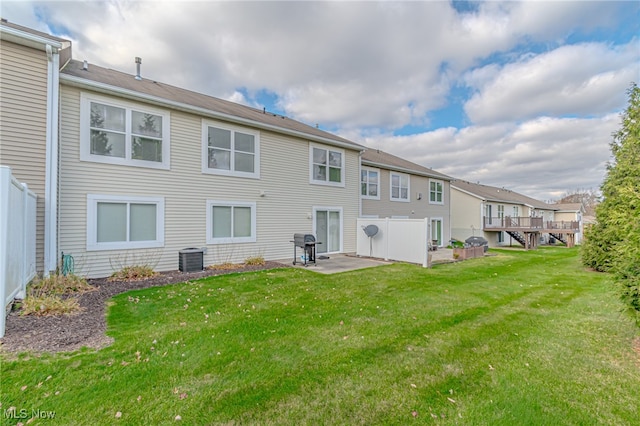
335 263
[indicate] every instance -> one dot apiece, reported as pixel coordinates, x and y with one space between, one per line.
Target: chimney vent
85 65
138 62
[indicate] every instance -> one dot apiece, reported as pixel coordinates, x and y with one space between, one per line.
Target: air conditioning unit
191 260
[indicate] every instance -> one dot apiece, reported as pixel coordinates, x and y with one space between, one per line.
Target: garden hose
67 264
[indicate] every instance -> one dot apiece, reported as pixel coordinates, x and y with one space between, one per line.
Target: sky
522 95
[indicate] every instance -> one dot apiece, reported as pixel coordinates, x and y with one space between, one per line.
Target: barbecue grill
307 242
476 241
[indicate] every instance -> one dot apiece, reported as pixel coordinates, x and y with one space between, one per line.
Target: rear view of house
504 217
393 187
132 171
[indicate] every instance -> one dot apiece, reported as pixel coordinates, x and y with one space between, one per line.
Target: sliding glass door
328 229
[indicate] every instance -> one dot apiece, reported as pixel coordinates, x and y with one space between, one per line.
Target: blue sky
523 95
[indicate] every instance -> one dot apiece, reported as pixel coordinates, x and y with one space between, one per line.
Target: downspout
360 183
51 169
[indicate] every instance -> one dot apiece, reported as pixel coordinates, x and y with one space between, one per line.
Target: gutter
31 40
405 170
134 95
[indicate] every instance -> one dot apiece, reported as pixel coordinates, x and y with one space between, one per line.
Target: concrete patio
335 263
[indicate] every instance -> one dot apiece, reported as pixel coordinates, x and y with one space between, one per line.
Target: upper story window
516 211
370 183
230 150
399 187
436 192
118 132
326 165
500 210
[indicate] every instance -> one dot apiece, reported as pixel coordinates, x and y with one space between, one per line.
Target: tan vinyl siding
284 209
466 215
23 117
414 209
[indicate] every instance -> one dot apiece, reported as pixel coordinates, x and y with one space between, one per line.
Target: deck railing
529 223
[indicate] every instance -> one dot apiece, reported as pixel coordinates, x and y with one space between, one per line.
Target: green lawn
513 339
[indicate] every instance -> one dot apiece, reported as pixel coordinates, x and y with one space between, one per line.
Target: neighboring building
147 169
571 212
504 217
29 69
396 188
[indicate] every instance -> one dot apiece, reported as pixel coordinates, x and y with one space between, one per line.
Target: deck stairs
518 237
559 237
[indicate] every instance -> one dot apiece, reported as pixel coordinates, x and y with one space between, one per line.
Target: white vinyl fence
17 239
405 240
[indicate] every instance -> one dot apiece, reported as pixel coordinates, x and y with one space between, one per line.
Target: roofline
497 200
468 192
404 170
132 94
31 40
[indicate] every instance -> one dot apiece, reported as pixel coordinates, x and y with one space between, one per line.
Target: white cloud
541 157
367 68
584 79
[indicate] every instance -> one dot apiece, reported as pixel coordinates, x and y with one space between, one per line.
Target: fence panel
397 239
17 239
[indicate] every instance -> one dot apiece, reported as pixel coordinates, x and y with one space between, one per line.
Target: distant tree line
612 243
589 198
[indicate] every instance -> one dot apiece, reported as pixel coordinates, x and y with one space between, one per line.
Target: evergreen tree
613 243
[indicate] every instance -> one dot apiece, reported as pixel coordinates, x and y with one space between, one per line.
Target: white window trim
85 133
205 150
330 209
230 240
92 225
441 182
342 166
401 200
370 197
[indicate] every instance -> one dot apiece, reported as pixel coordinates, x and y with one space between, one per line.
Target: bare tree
589 198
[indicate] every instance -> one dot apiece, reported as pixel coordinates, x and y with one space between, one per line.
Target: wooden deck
529 229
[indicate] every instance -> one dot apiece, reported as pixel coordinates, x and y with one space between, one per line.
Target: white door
328 229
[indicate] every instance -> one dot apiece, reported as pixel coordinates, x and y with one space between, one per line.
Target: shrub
50 304
254 260
225 266
133 273
60 284
46 296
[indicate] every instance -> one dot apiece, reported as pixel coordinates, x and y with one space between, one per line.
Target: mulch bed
87 329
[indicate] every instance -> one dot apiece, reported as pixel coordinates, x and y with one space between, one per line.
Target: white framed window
399 184
120 132
124 222
501 211
370 183
231 222
488 213
516 211
230 150
436 191
326 165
